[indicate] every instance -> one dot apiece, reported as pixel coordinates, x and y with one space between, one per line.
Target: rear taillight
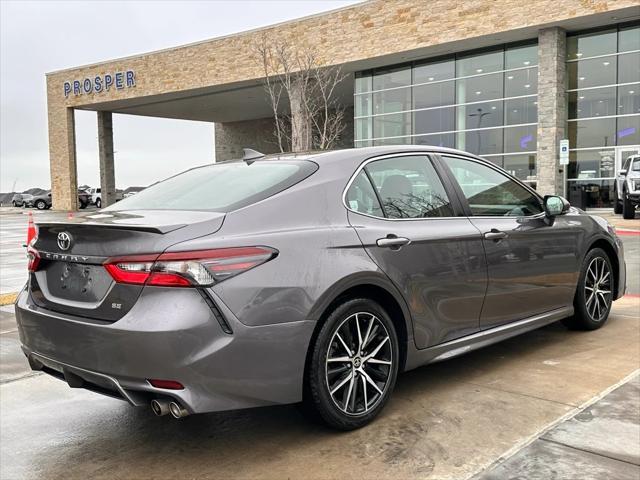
188 269
33 257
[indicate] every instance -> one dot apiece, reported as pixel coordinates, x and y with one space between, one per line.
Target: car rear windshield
222 188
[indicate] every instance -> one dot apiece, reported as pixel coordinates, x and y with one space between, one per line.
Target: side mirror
622 172
555 205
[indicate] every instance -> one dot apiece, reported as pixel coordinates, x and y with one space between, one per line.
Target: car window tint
221 188
409 187
362 198
491 193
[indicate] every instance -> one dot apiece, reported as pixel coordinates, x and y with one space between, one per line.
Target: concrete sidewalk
600 442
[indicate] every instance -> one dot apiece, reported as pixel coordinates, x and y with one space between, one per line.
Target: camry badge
64 241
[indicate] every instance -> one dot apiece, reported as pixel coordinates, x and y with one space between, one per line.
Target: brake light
187 269
32 232
33 257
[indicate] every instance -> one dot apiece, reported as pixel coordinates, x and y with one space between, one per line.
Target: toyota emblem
64 241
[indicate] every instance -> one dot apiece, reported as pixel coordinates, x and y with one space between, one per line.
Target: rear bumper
170 334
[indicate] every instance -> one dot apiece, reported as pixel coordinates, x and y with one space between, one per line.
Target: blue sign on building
100 83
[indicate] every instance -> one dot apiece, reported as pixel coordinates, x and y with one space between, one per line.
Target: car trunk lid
71 277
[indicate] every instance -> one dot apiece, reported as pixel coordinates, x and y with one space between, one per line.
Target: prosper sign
100 83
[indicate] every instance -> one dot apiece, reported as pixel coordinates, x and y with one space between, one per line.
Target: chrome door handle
393 242
495 235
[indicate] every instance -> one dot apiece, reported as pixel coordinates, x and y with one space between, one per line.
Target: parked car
96 196
315 278
43 201
628 188
21 199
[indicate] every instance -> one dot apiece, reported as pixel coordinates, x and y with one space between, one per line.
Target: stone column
62 157
552 108
107 167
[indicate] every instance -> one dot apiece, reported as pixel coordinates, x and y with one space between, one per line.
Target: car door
531 259
408 225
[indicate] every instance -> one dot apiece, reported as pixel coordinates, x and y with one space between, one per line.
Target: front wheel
99 203
594 294
628 210
41 205
617 207
353 365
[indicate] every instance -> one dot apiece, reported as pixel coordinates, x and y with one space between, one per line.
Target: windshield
222 188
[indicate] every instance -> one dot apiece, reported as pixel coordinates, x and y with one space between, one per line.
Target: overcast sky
43 36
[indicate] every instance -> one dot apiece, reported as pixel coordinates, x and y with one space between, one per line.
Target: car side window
362 198
409 187
491 193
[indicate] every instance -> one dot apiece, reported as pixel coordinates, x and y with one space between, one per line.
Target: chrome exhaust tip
160 407
177 411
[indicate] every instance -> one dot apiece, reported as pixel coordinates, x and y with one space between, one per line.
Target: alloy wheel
359 363
597 288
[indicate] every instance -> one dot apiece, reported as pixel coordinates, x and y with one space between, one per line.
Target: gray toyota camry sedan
307 278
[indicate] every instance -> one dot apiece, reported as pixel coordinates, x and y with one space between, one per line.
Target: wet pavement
448 421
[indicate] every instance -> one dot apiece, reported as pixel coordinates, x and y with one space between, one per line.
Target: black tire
83 205
617 207
628 209
584 317
41 205
99 203
318 397
14 204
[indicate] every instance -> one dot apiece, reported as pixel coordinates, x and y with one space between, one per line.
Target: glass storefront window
480 115
598 102
485 87
591 164
592 133
629 99
440 140
521 166
628 132
521 110
521 139
392 141
518 57
629 68
480 63
362 105
591 193
434 71
431 121
388 101
481 142
392 125
629 39
364 128
434 95
591 44
592 73
363 83
521 82
392 78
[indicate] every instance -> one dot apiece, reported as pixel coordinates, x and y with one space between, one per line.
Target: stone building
504 79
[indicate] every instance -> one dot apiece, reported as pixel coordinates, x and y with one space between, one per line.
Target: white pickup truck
95 196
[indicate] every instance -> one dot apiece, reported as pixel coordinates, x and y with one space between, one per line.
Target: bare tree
296 74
